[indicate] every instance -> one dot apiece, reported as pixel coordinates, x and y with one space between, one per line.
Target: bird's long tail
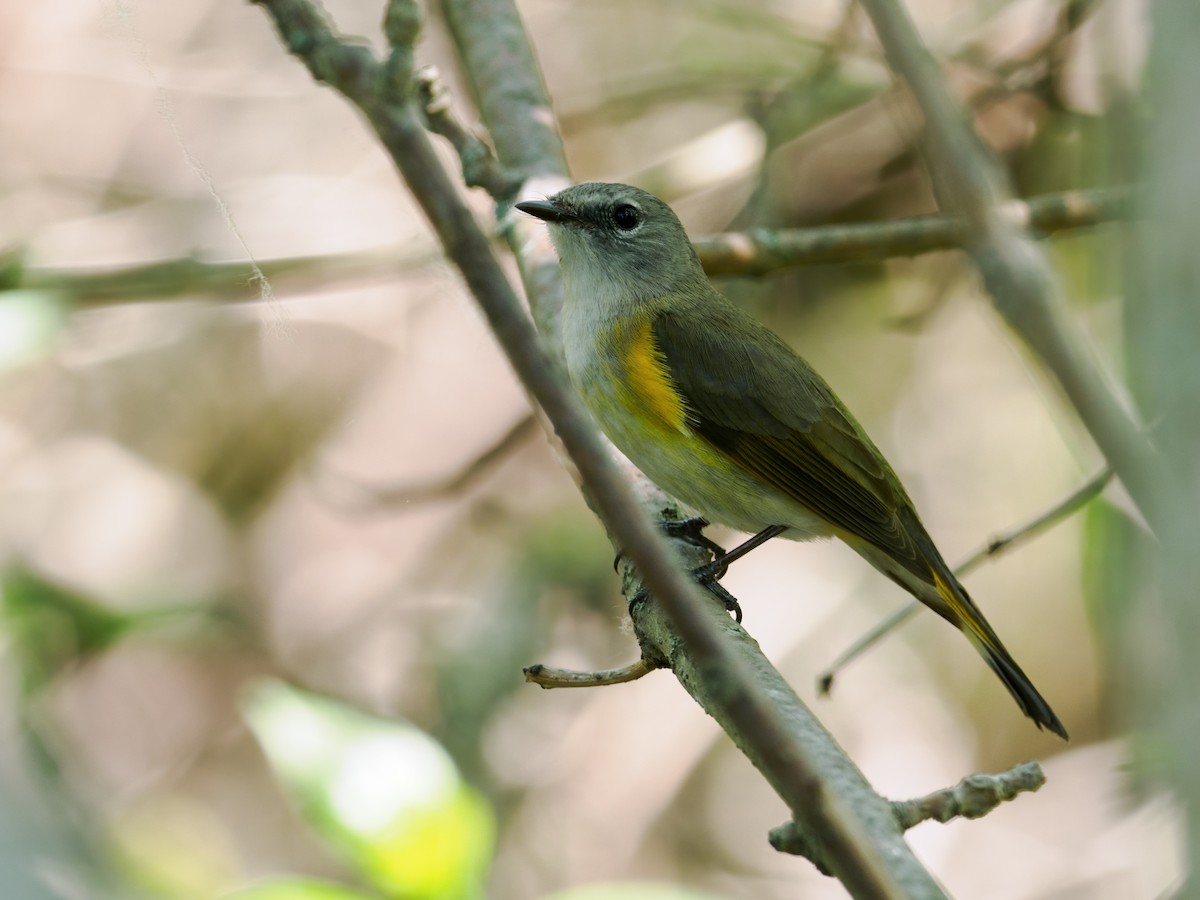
966 615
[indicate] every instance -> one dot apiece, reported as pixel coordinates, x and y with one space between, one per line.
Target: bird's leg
714 571
710 575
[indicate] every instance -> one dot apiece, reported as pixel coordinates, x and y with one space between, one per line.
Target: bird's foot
727 599
730 601
689 530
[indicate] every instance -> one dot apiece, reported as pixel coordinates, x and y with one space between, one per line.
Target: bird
721 413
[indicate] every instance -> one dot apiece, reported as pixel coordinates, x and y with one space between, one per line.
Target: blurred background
274 552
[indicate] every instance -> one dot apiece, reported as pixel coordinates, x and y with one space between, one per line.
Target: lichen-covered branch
972 798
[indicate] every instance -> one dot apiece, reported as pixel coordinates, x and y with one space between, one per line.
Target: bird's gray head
617 239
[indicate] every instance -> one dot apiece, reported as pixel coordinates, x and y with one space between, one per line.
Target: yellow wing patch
648 378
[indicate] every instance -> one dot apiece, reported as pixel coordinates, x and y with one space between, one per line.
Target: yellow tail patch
964 612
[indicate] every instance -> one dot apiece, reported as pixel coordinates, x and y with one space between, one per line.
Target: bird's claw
691 530
730 601
710 573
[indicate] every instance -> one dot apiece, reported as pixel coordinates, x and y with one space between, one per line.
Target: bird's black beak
546 210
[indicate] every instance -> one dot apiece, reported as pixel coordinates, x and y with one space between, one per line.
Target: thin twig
550 677
1014 537
480 167
996 546
354 496
754 252
970 185
760 251
229 281
972 798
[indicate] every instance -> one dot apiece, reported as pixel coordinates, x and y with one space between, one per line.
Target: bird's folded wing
762 405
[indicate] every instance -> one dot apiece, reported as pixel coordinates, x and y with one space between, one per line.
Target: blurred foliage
1115 590
630 891
297 889
52 627
383 792
29 323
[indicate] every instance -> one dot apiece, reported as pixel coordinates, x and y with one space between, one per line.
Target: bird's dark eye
626 217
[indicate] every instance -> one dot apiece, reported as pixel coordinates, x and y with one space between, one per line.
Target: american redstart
722 414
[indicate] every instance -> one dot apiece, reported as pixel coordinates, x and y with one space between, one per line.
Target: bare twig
973 797
232 281
757 252
970 186
1014 537
996 546
480 167
355 496
550 677
754 252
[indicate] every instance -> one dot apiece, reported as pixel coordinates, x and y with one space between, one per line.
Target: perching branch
713 657
971 187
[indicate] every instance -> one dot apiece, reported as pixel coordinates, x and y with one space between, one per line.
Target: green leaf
384 794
